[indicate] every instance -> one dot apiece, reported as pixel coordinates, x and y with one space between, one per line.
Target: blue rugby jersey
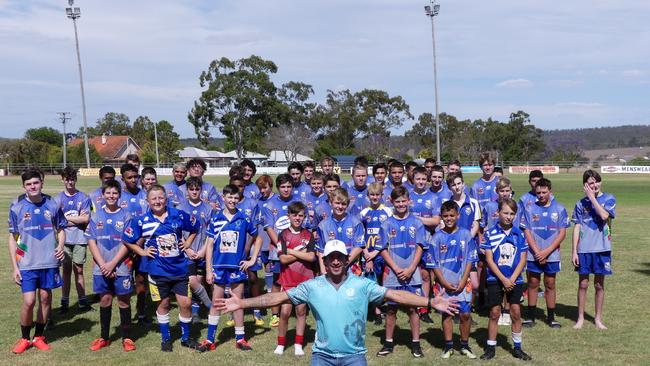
248 207
200 212
349 230
443 194
451 252
76 205
252 191
261 204
229 238
97 199
424 205
36 225
595 234
208 194
401 237
372 220
311 202
490 215
485 191
469 211
276 215
301 191
175 197
545 224
321 212
506 251
135 204
358 199
106 229
169 259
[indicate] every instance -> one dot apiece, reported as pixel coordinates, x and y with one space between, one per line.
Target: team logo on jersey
480 190
274 211
100 225
462 245
119 225
507 253
309 204
544 214
124 204
468 210
331 235
443 248
128 232
248 212
536 217
427 203
349 232
412 231
37 211
193 220
349 292
126 283
383 218
132 199
27 216
555 217
47 214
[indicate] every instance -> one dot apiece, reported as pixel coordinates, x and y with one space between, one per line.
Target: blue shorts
464 298
262 259
274 266
45 279
162 287
595 263
414 289
464 307
379 266
227 276
121 285
548 268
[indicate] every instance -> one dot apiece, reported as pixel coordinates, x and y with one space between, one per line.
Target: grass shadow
69 329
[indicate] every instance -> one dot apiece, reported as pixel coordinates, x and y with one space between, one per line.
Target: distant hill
603 137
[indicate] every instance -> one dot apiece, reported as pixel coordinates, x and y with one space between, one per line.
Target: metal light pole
74 14
155 135
64 119
431 11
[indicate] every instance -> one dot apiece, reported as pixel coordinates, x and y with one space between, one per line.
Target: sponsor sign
625 169
525 169
470 169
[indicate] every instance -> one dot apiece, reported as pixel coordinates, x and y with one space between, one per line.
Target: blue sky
579 63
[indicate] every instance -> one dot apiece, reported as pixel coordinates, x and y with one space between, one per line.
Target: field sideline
626 313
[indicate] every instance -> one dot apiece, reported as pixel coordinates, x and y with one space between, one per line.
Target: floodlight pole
155 134
431 11
74 14
64 118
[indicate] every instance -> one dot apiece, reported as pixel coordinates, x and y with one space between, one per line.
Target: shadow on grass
480 335
70 329
644 271
570 312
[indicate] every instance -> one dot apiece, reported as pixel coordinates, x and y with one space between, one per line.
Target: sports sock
516 339
492 343
300 339
449 344
202 294
185 327
531 312
25 330
125 322
39 329
239 333
105 321
464 344
82 301
163 323
281 341
213 322
195 309
257 313
550 314
65 301
268 281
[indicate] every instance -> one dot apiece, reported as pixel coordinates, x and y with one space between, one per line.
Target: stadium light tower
74 14
431 11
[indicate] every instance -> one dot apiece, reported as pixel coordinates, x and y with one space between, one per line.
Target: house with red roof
112 149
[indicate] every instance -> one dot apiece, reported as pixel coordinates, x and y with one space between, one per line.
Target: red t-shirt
293 274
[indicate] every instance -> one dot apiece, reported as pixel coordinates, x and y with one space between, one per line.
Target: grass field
627 310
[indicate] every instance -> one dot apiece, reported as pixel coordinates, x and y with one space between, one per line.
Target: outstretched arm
264 301
439 302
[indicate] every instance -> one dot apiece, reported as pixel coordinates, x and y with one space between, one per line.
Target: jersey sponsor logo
412 231
229 241
37 211
468 210
126 283
555 217
393 233
349 232
100 225
507 253
480 190
349 292
282 223
167 245
443 248
47 214
372 231
536 217
124 204
119 225
27 216
331 235
383 218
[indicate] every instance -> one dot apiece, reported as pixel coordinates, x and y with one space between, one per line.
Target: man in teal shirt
340 304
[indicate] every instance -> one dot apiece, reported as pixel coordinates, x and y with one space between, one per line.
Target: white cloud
633 73
567 83
579 105
515 83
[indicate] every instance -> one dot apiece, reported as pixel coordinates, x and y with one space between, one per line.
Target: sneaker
416 350
166 346
206 346
386 350
275 321
520 354
298 351
242 345
98 344
128 345
554 324
447 352
85 307
425 318
64 309
190 343
489 354
259 321
21 346
278 350
528 323
40 343
230 323
466 351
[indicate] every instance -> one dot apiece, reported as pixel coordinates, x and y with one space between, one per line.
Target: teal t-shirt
340 313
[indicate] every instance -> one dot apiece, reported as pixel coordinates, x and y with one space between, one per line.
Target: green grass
626 308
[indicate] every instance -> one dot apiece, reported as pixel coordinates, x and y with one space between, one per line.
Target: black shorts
495 293
162 287
196 268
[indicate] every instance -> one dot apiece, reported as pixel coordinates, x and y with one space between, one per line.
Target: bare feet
599 324
578 324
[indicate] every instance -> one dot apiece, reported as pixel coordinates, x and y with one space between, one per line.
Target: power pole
65 117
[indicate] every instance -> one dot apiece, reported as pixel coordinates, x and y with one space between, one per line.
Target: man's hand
446 305
228 305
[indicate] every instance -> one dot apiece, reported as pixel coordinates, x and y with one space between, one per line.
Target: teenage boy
316 196
308 170
76 207
36 242
106 173
112 272
201 212
249 168
544 225
265 185
592 243
424 205
340 225
528 199
324 208
438 185
394 180
300 188
196 168
429 163
149 178
226 252
484 188
327 165
380 172
174 194
505 253
401 242
298 261
372 217
453 252
358 190
408 170
162 230
134 160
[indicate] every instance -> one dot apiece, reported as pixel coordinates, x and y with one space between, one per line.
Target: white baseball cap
334 246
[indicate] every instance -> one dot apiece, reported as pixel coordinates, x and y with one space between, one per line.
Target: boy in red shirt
298 260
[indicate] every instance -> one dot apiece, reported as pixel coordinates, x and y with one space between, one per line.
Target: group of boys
405 225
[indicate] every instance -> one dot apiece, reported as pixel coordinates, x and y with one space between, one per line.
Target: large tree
239 99
112 123
47 135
